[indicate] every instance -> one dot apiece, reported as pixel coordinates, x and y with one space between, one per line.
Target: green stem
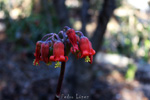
61 77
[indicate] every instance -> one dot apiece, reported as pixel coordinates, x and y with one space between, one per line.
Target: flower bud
45 52
37 53
72 38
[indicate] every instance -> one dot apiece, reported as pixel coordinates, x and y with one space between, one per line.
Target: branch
103 19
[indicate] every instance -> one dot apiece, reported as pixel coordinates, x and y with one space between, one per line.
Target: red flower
45 52
72 38
37 53
58 52
86 49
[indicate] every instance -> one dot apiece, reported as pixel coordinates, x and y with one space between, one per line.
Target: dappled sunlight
131 28
77 25
140 52
139 27
72 3
113 25
90 28
20 8
2 15
123 11
15 13
114 59
140 4
135 40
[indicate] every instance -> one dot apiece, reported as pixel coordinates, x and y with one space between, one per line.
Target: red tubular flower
72 38
37 53
58 52
45 52
86 49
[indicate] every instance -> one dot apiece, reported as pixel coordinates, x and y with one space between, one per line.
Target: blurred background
120 34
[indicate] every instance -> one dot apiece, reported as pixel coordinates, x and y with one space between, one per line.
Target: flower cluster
55 47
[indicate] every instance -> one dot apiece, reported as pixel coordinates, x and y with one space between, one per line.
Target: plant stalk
61 77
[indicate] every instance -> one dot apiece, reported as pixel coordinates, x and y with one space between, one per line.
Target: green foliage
130 40
130 73
31 26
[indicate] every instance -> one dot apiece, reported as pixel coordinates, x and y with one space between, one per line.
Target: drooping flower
58 53
86 49
37 53
77 53
45 52
72 38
